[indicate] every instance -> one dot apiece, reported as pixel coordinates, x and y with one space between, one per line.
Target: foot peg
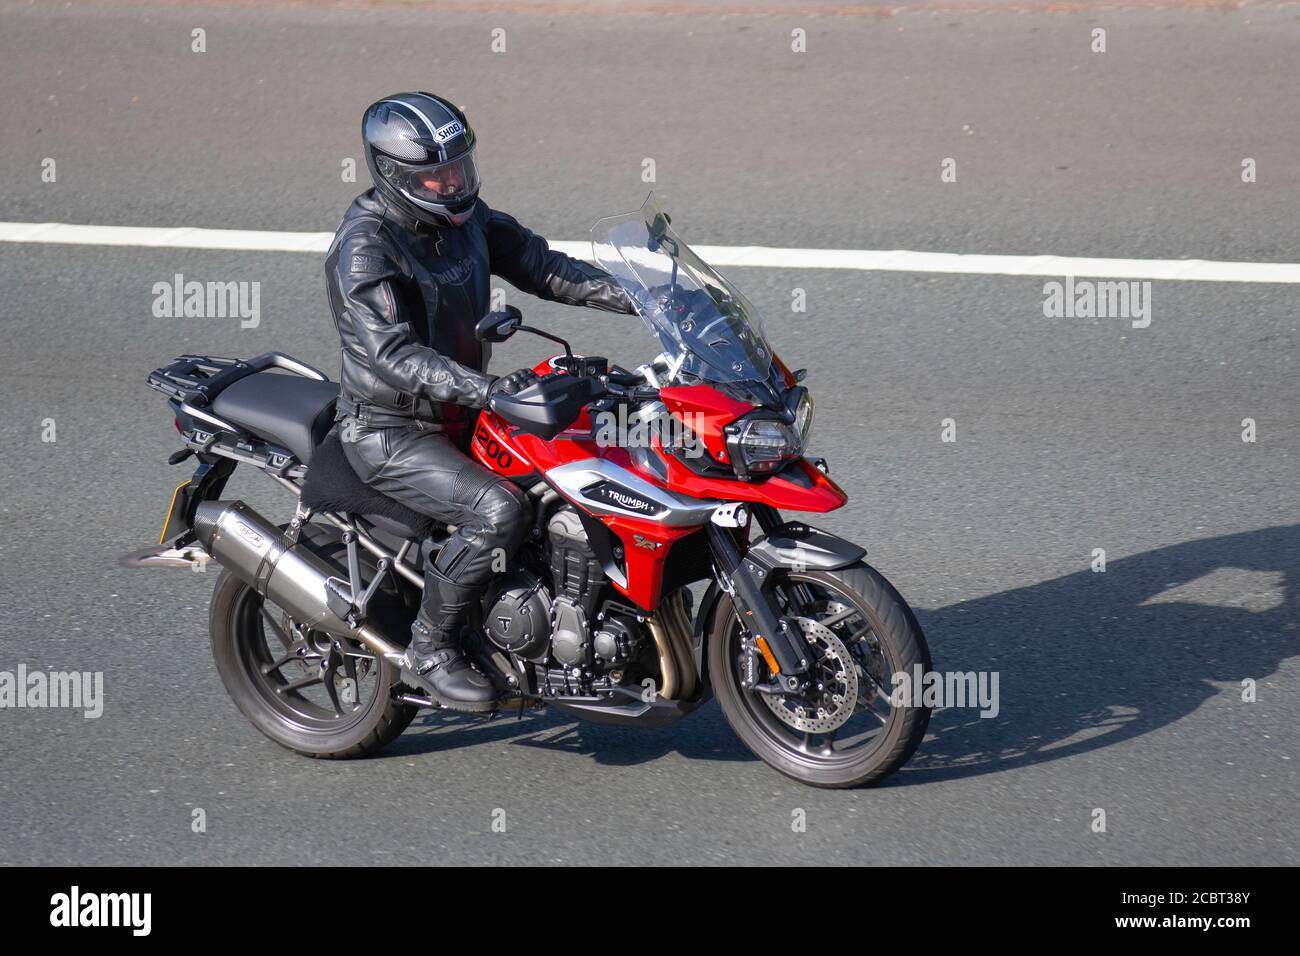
452 681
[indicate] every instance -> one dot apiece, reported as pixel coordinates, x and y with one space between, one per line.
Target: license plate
171 508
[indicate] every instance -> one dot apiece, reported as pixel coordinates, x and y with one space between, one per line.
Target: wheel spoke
840 617
275 665
798 597
350 674
299 684
870 708
332 691
854 638
337 664
275 626
825 749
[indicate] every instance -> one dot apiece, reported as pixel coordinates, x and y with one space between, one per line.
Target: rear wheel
860 632
318 695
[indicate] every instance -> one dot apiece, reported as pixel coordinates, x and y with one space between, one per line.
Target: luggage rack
197 379
241 446
193 381
190 383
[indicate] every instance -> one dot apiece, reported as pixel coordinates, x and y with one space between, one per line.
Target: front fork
743 580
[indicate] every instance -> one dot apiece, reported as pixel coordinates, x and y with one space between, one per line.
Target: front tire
864 614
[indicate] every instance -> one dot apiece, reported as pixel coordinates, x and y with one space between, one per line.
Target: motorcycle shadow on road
1092 659
703 735
1083 661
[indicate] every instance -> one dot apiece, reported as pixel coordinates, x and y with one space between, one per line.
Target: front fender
797 546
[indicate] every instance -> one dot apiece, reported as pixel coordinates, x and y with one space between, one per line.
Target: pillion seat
288 410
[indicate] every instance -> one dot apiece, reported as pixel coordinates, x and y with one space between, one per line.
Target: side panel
798 487
633 524
708 411
646 548
493 448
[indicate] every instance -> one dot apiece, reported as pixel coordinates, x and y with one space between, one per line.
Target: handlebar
554 402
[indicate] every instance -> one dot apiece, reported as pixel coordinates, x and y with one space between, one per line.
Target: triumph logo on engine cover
625 498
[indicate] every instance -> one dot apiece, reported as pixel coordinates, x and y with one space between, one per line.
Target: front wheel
851 732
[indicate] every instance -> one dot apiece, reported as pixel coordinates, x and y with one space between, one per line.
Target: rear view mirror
499 326
658 229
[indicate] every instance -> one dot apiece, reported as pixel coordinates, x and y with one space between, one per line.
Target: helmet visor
440 184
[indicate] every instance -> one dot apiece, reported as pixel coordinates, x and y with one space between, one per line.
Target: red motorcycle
659 570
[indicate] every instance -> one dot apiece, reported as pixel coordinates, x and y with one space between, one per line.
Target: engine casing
557 622
519 620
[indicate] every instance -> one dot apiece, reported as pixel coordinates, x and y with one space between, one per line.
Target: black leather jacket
406 298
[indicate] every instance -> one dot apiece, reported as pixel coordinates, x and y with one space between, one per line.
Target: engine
565 621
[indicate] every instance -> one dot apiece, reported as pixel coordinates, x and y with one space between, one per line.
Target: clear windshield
708 330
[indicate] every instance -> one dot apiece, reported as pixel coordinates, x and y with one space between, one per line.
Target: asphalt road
1119 690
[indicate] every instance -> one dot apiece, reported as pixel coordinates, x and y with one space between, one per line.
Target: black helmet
420 150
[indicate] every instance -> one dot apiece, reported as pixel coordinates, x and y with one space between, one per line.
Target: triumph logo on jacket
456 273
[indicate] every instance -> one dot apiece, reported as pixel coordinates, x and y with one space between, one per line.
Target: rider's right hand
514 382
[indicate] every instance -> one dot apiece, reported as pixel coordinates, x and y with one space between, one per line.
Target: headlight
760 446
765 441
803 418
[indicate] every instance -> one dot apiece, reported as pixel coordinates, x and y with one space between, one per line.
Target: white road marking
763 257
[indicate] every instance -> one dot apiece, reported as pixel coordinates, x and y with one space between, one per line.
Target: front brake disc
832 706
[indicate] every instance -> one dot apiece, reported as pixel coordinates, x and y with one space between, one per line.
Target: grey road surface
1120 691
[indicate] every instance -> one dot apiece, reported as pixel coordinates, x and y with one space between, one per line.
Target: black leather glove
514 382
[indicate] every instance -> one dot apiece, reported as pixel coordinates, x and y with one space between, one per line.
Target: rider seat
332 485
297 414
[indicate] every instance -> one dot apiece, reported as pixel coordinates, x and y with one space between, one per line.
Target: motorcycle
657 572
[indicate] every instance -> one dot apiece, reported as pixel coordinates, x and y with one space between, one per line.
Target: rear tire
238 647
897 639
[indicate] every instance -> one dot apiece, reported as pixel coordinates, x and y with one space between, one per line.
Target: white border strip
60 232
761 257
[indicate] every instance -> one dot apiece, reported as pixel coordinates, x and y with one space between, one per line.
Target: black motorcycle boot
436 659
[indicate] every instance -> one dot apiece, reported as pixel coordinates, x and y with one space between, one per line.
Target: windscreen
707 329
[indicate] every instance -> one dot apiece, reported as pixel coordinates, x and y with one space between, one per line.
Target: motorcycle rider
408 279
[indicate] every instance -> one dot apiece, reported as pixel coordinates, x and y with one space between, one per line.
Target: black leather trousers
422 468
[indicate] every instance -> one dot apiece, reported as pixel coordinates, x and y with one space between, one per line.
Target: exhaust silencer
260 555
